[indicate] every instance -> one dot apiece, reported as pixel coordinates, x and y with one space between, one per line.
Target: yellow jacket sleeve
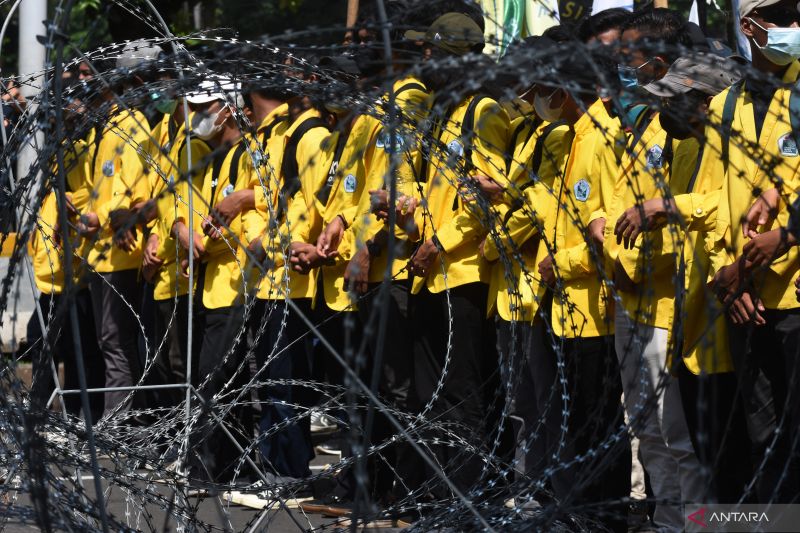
575 262
520 226
698 210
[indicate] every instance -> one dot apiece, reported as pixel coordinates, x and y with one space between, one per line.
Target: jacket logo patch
385 139
655 157
581 190
108 168
788 146
455 148
350 183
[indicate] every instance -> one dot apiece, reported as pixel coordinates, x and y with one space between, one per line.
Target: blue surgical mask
628 76
783 44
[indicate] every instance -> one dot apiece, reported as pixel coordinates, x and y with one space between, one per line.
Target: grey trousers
117 332
655 413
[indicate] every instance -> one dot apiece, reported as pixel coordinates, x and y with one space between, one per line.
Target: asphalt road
213 511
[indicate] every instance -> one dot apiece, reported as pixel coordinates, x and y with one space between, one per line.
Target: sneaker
328 448
321 423
637 514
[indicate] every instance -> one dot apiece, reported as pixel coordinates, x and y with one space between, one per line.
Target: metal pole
32 14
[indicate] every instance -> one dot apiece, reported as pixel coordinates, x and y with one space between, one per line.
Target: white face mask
783 44
542 106
205 126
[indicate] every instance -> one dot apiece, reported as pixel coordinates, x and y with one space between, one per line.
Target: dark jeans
718 430
461 407
64 351
594 388
283 351
117 332
220 361
766 362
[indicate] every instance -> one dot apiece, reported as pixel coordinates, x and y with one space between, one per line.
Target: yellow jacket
646 168
580 310
263 176
225 282
157 160
298 221
413 105
515 293
172 202
115 179
347 186
705 341
458 225
47 255
776 159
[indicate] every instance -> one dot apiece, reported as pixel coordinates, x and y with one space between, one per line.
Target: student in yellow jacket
221 268
45 249
573 267
468 137
699 332
117 187
171 168
515 246
644 279
761 151
291 134
391 154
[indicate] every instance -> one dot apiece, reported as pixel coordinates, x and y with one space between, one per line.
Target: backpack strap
324 193
669 153
728 110
467 134
538 150
535 164
794 112
267 133
468 130
534 125
289 166
233 172
640 115
410 86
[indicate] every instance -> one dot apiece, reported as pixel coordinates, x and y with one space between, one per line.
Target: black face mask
677 125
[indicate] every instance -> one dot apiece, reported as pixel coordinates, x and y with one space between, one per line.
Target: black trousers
766 363
718 430
461 407
64 352
536 405
114 294
171 328
342 329
594 388
222 350
283 351
390 369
